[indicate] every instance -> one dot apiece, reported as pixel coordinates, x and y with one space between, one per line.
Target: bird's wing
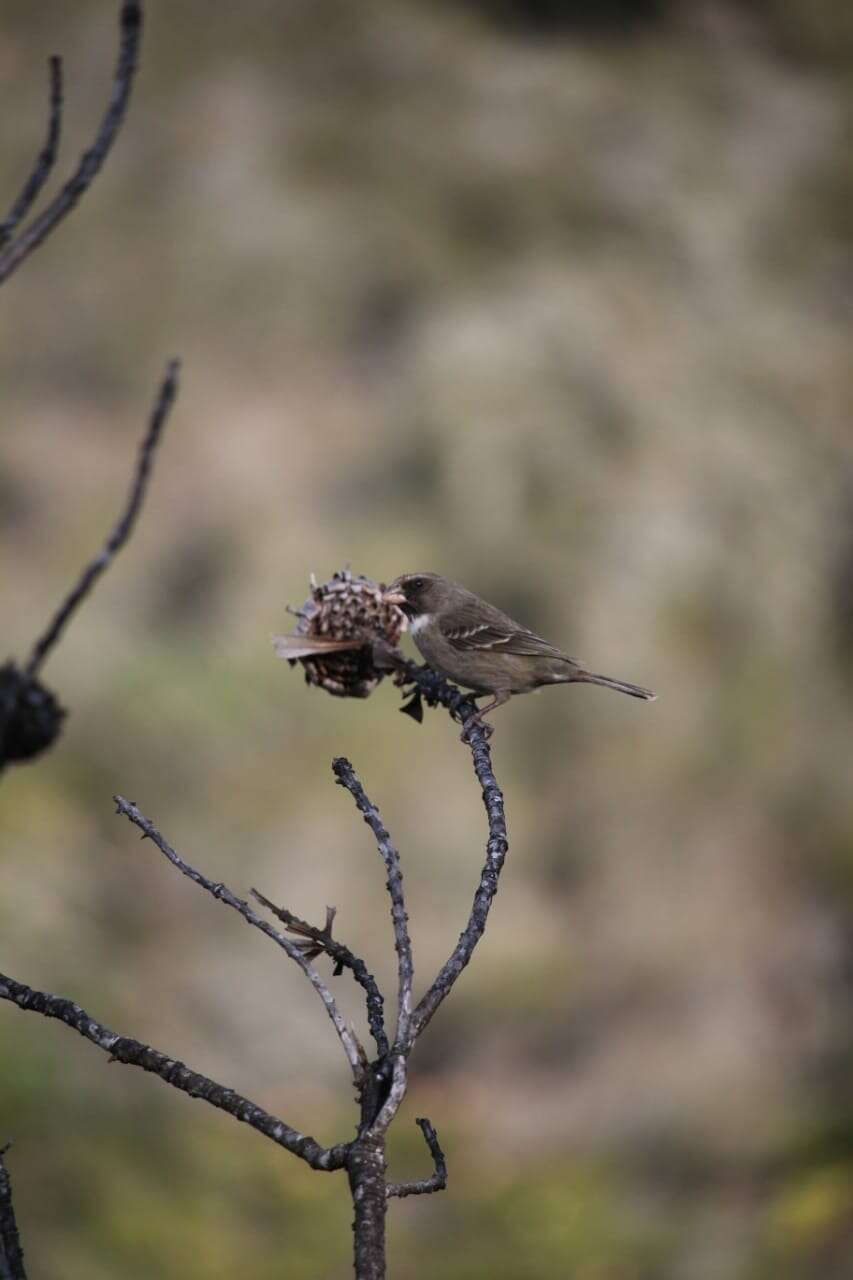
493 631
297 646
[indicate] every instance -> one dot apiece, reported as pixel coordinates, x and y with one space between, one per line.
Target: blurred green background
553 298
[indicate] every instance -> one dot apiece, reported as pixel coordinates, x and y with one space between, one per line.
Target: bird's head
417 594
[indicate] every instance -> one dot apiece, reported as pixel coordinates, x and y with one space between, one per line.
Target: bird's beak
393 596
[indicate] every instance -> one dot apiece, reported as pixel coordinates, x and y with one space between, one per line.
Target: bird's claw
476 719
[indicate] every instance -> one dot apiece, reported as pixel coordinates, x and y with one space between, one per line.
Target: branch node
220 891
314 941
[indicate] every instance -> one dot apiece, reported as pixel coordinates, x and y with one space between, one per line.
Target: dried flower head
339 625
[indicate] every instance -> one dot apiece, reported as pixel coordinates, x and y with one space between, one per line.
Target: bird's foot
476 719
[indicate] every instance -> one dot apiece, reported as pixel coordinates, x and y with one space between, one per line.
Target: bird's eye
415 584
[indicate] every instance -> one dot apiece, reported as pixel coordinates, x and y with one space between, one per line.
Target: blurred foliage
554 299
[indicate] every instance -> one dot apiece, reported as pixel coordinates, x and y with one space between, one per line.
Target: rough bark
11 1253
366 1170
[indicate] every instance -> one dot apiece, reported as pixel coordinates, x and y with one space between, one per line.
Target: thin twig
353 1050
343 958
122 529
437 1181
130 30
346 778
135 1054
437 691
46 158
11 1253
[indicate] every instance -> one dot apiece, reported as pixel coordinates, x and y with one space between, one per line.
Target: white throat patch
422 620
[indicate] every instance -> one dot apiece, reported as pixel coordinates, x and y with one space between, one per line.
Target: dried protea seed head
30 716
347 608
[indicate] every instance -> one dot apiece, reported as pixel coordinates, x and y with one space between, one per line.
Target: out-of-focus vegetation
559 307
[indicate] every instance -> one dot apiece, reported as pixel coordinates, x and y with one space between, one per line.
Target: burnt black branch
121 530
346 778
322 942
437 1181
44 161
381 1085
30 714
353 1050
11 1253
130 30
135 1054
439 692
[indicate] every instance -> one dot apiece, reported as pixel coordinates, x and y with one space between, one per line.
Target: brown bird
474 644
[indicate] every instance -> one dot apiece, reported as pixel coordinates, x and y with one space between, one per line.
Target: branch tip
44 161
347 778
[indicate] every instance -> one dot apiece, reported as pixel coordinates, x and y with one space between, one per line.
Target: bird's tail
634 690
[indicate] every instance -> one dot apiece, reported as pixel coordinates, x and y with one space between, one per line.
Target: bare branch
123 527
130 30
437 1181
44 161
30 716
323 942
345 775
438 691
353 1050
177 1074
11 1253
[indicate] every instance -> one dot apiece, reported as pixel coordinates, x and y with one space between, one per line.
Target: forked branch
320 941
381 1084
130 30
353 1050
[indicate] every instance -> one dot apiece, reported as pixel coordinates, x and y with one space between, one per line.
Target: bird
476 645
